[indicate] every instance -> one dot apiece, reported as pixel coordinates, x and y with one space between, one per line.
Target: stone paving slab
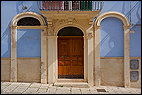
31 91
51 90
10 88
44 86
4 86
133 90
25 84
75 91
110 90
6 83
93 90
20 89
85 91
42 91
35 85
63 90
38 88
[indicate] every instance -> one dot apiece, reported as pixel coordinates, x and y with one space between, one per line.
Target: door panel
70 57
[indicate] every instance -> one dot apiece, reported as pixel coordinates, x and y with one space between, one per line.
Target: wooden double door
70 57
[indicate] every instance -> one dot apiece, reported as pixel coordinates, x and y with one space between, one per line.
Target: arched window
70 31
28 21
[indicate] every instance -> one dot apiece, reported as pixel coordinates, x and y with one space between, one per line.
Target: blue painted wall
28 43
111 39
135 39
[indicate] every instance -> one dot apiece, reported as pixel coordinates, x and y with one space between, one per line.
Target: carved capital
91 19
52 37
13 27
97 27
126 27
90 22
50 30
49 22
89 35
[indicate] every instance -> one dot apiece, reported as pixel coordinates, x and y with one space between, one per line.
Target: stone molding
14 28
126 29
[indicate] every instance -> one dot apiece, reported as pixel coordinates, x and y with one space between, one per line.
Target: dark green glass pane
86 5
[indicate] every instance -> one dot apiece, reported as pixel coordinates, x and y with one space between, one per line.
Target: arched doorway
126 29
28 20
70 53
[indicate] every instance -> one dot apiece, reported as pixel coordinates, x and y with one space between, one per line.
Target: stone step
71 80
72 84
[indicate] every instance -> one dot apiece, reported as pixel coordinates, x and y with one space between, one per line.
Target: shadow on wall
122 7
31 6
111 38
29 43
135 41
6 42
134 8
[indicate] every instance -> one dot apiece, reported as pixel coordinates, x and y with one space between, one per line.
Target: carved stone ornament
89 35
51 30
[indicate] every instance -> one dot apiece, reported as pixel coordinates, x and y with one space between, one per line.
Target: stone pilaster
43 56
90 57
126 57
52 59
97 75
13 77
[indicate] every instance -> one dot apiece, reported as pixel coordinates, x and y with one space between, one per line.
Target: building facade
95 42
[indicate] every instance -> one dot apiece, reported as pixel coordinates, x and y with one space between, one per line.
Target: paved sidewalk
38 88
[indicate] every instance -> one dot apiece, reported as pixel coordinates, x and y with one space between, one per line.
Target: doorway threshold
80 83
70 80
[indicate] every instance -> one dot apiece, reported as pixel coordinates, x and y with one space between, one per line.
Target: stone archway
14 28
96 38
70 53
53 59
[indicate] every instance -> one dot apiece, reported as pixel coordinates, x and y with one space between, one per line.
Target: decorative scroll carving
89 35
51 30
61 21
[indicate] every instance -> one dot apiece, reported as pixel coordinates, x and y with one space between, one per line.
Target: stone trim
97 58
14 28
53 58
67 25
